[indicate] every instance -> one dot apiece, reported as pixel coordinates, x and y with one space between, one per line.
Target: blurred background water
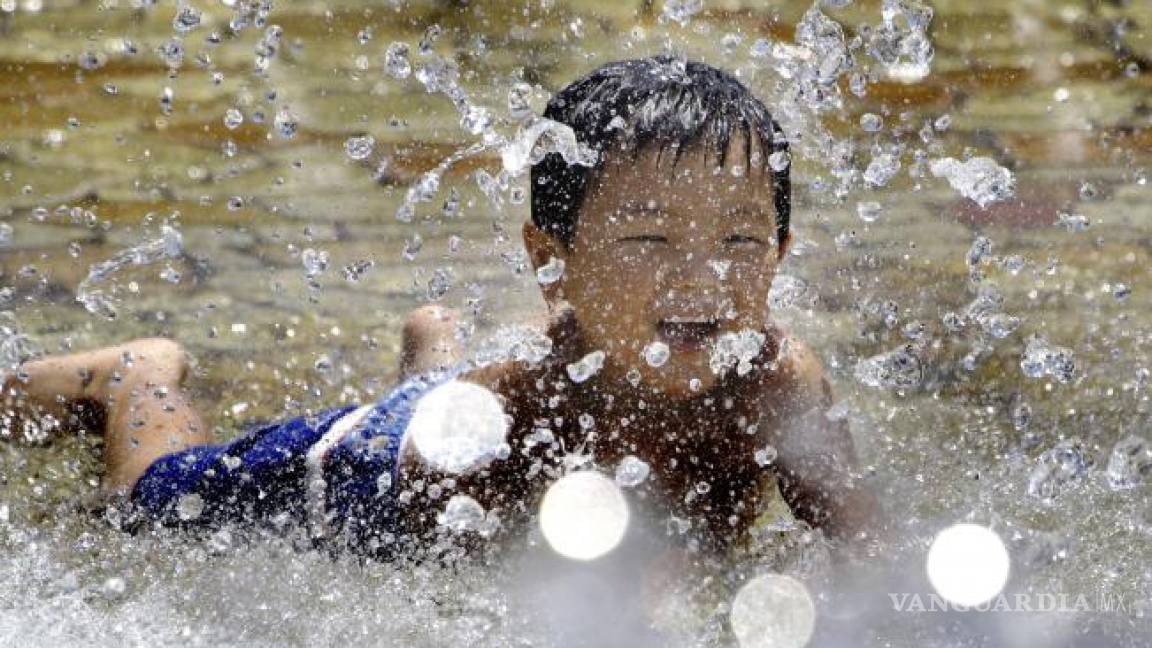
233 139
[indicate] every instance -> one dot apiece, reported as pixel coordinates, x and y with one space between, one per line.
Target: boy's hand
816 460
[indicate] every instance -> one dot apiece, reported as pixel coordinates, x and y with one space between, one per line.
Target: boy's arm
816 464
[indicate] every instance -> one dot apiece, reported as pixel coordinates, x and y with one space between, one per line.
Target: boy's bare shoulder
510 378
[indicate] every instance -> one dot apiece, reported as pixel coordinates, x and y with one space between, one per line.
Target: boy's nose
693 287
696 269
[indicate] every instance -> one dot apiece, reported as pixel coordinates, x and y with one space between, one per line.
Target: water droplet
586 367
172 53
881 169
1058 469
166 98
826 58
189 507
475 119
979 179
1043 359
412 246
233 118
1071 221
359 147
1130 463
897 369
735 350
550 272
1021 416
869 211
384 484
519 97
656 353
354 271
1088 191
315 262
323 364
396 61
286 123
462 514
431 35
682 10
765 456
1014 263
114 587
631 472
187 18
779 161
871 122
787 292
729 42
89 60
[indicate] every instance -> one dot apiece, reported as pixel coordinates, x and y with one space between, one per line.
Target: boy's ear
541 248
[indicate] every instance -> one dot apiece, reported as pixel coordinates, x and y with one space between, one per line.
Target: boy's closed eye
644 238
743 241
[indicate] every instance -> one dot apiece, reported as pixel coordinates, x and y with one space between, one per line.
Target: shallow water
90 165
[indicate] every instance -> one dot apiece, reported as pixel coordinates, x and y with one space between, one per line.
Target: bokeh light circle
773 611
584 515
458 426
967 564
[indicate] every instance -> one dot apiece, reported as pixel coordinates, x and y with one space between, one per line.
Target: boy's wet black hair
661 101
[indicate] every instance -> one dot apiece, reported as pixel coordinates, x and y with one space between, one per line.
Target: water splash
1044 359
1130 463
1059 469
170 245
897 369
979 179
735 350
586 367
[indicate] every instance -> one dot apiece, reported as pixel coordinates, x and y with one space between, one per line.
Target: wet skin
660 240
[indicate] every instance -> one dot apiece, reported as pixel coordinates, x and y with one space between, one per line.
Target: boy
668 245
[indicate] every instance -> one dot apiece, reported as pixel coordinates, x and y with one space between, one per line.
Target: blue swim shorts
335 471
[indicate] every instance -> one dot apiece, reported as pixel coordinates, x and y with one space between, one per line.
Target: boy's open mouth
687 334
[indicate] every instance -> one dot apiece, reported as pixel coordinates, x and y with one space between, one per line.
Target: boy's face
674 254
